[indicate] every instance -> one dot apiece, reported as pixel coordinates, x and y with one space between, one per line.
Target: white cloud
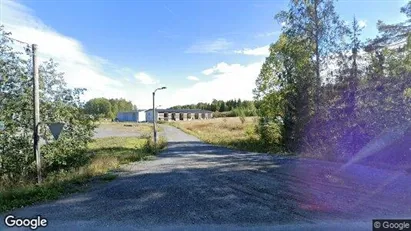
230 81
283 24
81 70
259 51
193 78
221 68
87 71
145 79
267 34
204 47
362 23
208 71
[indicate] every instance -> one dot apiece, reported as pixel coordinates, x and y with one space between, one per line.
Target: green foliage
58 103
98 107
250 130
285 88
107 108
224 114
393 33
332 114
151 148
270 132
120 105
242 118
223 106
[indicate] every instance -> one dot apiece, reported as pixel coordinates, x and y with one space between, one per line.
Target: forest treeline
229 108
325 93
107 108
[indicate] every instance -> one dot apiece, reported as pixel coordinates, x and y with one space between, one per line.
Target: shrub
270 132
151 148
250 131
58 104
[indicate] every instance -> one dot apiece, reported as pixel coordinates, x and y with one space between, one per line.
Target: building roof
181 110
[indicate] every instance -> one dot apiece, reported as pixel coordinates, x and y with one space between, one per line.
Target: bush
241 114
224 114
270 132
58 104
238 112
151 148
250 130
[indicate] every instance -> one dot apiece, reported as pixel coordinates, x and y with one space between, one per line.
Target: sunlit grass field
229 132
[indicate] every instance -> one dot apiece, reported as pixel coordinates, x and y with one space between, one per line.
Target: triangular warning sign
55 129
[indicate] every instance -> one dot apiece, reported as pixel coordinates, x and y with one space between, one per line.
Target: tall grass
234 132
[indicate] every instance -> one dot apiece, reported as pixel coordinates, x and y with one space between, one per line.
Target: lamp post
154 114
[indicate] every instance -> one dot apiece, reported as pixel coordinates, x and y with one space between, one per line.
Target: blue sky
127 48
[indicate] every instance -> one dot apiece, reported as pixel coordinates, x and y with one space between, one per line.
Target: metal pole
154 119
36 102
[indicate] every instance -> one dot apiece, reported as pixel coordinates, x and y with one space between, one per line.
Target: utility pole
36 103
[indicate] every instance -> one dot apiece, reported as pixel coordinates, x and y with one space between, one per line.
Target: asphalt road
196 186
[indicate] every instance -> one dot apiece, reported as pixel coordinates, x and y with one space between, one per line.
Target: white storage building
178 114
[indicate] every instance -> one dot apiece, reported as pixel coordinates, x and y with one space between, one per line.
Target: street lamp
154 115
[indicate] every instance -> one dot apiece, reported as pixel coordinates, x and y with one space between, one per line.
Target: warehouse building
131 116
178 114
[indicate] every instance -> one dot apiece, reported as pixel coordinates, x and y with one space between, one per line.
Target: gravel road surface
118 130
196 186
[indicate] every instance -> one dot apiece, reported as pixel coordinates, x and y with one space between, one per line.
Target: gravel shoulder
197 186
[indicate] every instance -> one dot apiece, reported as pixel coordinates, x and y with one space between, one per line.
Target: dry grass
102 164
220 128
229 132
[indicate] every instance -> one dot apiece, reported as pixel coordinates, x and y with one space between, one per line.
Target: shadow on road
197 183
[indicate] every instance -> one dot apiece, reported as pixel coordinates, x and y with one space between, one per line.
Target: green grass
123 149
107 154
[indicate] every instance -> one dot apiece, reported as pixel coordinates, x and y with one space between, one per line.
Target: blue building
131 116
